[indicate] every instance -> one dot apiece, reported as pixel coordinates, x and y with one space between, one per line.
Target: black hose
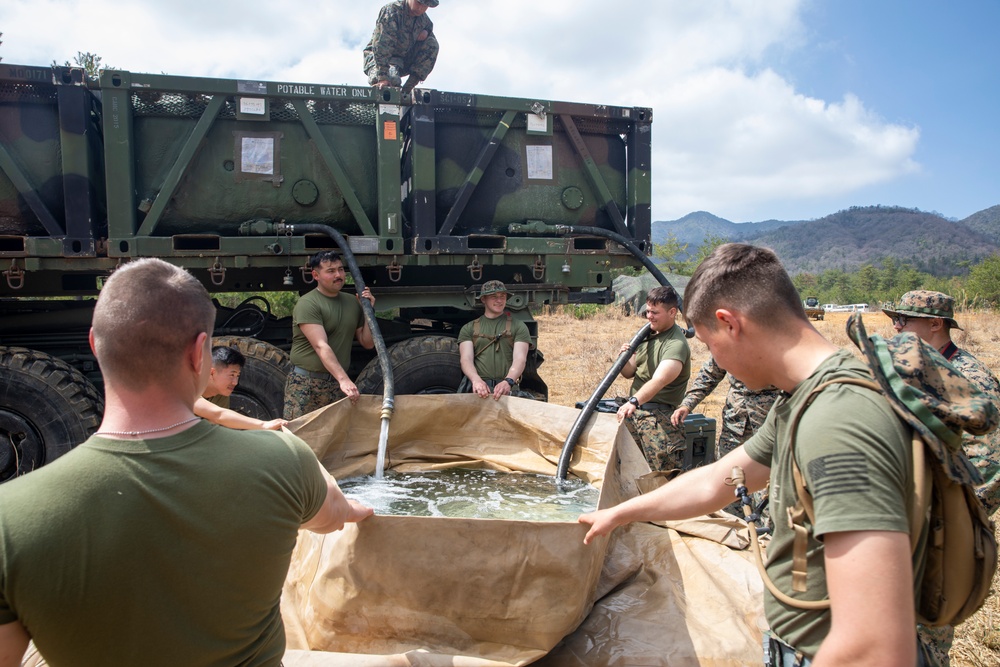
388 385
588 409
623 241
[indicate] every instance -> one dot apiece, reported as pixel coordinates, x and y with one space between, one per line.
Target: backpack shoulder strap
803 508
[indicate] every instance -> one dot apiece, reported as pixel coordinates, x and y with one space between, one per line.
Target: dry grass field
579 352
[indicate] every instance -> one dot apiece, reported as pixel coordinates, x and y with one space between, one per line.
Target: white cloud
744 140
730 134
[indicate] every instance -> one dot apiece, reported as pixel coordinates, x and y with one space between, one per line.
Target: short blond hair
745 278
147 314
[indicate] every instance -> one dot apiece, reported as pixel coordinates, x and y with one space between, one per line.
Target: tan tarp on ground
472 592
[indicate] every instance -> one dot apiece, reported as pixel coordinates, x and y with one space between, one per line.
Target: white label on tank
388 109
363 244
539 160
537 123
252 105
258 155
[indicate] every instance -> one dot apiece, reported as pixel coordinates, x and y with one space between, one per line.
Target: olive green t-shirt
494 357
855 455
669 344
221 400
340 316
163 552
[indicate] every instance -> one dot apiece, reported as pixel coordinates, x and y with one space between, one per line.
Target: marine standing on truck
163 539
493 348
931 316
213 405
325 322
745 309
660 369
403 44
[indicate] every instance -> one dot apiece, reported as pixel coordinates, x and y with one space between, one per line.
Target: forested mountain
695 227
986 222
849 239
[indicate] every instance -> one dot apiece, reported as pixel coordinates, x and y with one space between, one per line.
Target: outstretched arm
232 419
336 510
694 493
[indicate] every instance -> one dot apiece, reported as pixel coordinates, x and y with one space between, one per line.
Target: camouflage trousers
304 394
661 442
418 62
936 643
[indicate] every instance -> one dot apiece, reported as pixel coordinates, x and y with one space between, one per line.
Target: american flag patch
839 473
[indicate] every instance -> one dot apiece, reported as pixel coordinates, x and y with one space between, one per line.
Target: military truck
434 195
813 309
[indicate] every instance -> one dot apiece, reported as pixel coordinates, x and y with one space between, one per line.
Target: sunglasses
899 320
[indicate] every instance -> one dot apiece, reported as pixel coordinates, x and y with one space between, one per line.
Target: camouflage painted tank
215 175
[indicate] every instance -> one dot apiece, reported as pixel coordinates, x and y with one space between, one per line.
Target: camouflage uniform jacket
744 410
394 42
982 450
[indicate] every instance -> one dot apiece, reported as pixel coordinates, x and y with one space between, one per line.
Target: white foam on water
482 494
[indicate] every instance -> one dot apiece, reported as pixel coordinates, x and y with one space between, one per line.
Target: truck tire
261 390
47 408
422 365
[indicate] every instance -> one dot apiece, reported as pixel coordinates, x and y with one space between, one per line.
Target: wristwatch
634 401
509 381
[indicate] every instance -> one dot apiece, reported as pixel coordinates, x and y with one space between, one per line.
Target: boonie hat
928 393
493 287
429 3
925 303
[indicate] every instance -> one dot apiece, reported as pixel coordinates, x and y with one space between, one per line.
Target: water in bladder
482 494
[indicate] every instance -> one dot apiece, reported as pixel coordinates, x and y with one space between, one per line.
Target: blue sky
932 65
786 109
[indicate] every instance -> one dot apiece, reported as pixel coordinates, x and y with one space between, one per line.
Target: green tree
984 281
889 275
866 281
669 253
708 244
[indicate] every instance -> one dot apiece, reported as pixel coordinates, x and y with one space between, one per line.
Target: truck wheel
47 407
423 365
261 390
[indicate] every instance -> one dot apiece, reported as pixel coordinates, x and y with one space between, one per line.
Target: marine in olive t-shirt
858 470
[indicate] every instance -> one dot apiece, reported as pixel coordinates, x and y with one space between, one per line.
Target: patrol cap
925 303
493 287
429 3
